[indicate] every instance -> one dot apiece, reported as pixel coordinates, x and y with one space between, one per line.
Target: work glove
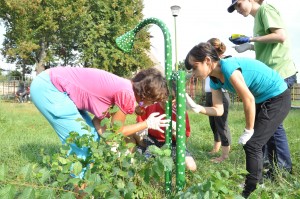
114 147
173 128
192 105
246 136
238 39
142 133
156 121
243 47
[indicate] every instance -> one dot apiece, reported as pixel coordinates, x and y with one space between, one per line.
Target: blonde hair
218 45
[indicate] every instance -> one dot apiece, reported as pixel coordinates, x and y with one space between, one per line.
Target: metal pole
180 131
176 60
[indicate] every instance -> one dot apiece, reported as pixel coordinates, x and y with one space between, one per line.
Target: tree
72 32
34 28
15 75
181 65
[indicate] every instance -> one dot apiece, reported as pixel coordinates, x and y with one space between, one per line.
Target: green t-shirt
275 55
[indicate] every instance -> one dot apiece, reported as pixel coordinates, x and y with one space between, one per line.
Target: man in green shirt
271 46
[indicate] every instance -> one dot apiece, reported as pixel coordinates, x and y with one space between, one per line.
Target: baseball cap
231 8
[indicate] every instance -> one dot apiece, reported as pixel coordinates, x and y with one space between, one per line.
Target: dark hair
218 45
199 52
151 85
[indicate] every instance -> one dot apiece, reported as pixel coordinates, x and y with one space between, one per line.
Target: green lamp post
125 43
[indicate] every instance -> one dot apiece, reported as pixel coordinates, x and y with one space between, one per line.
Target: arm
238 82
126 130
277 35
100 129
217 108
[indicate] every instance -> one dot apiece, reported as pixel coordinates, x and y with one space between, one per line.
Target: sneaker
269 175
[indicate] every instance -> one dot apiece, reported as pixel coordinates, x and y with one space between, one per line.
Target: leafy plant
110 171
217 186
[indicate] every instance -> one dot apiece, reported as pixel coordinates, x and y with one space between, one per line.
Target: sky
200 20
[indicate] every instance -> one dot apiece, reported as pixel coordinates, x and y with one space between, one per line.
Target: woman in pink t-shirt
64 94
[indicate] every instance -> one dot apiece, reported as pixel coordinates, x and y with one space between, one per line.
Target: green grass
24 132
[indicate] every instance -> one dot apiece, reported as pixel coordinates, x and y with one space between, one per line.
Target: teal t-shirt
263 82
275 55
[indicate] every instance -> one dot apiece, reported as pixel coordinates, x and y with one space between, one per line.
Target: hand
155 121
239 39
174 128
114 147
142 133
243 47
192 105
246 136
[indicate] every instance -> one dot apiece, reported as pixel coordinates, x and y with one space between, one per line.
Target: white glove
155 121
173 128
192 105
243 47
114 147
142 133
246 136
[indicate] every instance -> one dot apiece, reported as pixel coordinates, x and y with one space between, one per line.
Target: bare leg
216 148
224 156
190 163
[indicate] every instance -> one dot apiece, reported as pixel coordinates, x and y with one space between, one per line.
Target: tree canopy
73 32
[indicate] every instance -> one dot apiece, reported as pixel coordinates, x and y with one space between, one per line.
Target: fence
295 92
9 87
195 88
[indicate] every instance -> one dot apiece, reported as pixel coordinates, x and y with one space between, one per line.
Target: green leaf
86 127
147 174
102 188
27 193
168 163
8 192
26 172
3 171
68 195
105 122
47 194
79 120
114 109
62 160
45 175
226 173
62 177
107 135
89 189
208 185
167 152
74 181
117 125
120 184
77 168
207 195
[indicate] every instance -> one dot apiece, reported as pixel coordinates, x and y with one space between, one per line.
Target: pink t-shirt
94 90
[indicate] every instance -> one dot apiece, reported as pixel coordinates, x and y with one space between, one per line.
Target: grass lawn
24 131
